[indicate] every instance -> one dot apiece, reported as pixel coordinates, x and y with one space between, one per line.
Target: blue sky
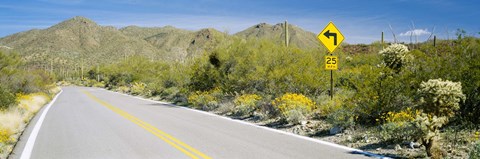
359 21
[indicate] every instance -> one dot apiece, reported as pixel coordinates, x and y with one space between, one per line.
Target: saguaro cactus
286 33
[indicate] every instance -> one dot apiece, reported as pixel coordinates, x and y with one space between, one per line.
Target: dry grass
31 103
14 119
11 122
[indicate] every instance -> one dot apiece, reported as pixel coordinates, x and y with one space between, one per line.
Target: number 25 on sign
331 62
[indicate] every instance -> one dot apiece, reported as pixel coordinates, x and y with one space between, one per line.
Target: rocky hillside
81 41
78 39
297 36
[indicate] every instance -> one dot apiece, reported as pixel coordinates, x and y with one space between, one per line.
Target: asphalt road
89 123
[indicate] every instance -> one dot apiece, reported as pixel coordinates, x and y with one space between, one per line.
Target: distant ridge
81 39
298 37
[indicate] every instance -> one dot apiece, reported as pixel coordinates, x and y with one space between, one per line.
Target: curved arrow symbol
328 34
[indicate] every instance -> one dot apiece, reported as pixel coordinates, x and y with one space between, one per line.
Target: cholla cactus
428 127
440 98
395 56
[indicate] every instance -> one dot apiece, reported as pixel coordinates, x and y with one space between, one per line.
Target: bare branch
394 37
416 36
411 34
433 31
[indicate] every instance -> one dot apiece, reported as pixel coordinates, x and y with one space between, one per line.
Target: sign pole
331 83
331 38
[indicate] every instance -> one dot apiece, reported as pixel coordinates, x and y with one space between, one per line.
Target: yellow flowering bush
400 117
246 104
99 84
397 126
5 136
32 102
138 88
294 107
205 100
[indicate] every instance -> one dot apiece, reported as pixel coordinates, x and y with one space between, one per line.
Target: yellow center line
160 134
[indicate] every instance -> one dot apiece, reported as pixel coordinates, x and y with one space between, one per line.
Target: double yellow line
186 149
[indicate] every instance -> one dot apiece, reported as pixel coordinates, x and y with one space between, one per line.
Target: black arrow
328 34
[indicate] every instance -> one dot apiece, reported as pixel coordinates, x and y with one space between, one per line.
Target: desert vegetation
23 92
400 100
402 95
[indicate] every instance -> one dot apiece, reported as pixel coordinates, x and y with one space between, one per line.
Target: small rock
365 138
414 145
378 149
398 147
303 122
335 130
349 138
295 130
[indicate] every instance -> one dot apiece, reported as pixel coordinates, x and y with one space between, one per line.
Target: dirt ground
454 144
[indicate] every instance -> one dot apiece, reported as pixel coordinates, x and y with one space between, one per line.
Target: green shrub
475 151
337 111
99 84
327 106
204 77
204 100
294 107
123 89
175 95
89 82
398 127
343 117
6 98
246 104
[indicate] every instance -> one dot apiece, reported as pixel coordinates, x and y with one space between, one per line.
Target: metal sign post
331 38
331 84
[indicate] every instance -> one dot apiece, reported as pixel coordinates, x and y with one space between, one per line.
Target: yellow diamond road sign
330 37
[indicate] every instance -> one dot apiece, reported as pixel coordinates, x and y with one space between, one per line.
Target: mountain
146 32
78 39
177 44
297 36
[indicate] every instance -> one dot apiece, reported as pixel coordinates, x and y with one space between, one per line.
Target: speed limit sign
331 62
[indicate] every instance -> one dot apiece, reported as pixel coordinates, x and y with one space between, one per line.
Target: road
90 123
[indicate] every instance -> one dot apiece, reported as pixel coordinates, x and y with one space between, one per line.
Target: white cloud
416 32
